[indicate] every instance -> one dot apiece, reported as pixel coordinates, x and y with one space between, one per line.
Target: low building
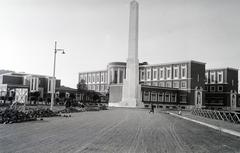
41 84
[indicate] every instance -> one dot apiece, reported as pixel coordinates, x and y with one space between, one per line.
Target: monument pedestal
130 99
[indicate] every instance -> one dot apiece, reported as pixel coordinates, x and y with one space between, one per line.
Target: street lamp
54 79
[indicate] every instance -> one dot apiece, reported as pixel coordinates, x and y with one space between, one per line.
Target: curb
232 132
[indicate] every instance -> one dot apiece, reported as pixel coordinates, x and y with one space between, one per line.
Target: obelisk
131 87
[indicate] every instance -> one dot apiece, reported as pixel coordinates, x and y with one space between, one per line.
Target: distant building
222 88
95 80
34 83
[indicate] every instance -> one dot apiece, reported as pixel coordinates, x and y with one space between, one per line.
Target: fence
233 117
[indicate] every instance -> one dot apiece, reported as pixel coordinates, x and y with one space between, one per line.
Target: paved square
114 131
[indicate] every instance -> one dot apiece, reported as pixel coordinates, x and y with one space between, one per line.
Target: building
95 80
182 81
12 81
222 88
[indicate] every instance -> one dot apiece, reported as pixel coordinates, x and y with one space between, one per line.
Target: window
146 96
220 88
121 76
34 82
167 97
115 76
155 83
212 77
153 96
174 97
98 78
97 88
183 98
169 84
184 71
161 84
149 74
31 84
220 77
183 84
105 78
176 72
155 74
161 73
169 73
212 89
93 79
102 77
175 84
142 75
161 97
89 79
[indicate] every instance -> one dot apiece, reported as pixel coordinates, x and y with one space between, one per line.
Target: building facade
221 88
11 81
180 83
183 81
95 80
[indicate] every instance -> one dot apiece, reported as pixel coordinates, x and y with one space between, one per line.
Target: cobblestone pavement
115 131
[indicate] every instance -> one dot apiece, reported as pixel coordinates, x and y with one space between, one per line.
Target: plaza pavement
115 131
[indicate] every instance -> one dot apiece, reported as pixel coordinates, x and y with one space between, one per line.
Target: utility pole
53 84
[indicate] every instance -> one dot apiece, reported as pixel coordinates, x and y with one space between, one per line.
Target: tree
82 86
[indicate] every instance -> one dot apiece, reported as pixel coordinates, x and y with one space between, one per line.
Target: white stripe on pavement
232 132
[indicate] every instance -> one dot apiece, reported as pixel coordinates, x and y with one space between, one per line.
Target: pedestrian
151 109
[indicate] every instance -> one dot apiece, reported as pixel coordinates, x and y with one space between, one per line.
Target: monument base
130 103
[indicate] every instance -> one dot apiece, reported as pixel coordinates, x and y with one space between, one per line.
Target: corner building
221 88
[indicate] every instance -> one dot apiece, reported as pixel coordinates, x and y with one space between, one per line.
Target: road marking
232 132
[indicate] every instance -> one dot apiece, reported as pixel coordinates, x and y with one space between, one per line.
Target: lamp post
54 79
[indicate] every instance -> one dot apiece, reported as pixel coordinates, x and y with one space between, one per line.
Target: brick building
222 88
182 81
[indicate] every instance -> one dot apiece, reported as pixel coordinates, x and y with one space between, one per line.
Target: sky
95 33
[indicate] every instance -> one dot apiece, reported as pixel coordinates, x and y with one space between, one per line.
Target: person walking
151 109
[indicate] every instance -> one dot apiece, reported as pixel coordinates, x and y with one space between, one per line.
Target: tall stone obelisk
131 87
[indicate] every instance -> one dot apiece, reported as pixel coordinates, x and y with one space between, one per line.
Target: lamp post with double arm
54 79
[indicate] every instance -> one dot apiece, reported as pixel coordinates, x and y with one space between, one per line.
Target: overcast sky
95 32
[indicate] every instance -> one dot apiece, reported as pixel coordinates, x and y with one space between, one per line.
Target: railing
233 117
